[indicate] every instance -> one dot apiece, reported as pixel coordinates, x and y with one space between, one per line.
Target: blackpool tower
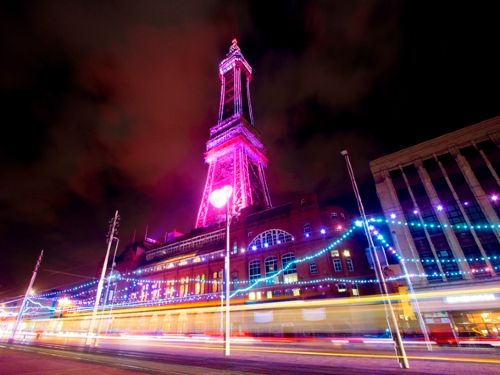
235 153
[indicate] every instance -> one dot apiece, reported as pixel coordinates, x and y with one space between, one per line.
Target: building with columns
441 200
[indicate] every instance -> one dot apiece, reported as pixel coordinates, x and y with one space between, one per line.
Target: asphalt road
195 358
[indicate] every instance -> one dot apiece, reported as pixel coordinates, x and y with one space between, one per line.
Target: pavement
29 359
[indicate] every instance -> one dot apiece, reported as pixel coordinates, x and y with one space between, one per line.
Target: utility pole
111 236
25 299
398 342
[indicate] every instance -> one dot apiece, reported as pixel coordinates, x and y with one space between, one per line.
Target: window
355 290
346 253
271 264
202 284
334 215
197 286
254 270
289 268
341 287
184 289
270 238
337 265
235 280
307 229
269 294
350 265
313 268
334 253
296 292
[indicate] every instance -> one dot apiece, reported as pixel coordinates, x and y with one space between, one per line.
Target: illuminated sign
470 298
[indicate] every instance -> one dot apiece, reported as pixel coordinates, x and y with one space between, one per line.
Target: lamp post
111 237
416 305
398 342
220 198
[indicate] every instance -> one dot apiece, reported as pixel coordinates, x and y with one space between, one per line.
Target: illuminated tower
235 154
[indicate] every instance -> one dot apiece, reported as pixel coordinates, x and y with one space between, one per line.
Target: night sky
107 105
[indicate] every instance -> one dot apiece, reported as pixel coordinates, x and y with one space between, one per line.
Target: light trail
327 354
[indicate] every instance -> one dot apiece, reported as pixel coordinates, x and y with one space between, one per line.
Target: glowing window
346 253
341 287
270 238
254 270
334 253
251 296
355 290
296 292
269 294
289 268
215 282
197 286
271 264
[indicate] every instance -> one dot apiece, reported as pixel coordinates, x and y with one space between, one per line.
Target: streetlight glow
219 197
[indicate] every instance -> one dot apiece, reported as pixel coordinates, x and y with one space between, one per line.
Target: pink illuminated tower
235 154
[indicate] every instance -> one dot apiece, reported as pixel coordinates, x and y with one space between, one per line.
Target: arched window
289 268
254 270
271 264
270 238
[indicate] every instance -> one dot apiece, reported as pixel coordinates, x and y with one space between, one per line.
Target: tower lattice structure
235 154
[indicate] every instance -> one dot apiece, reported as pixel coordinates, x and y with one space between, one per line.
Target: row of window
271 270
296 292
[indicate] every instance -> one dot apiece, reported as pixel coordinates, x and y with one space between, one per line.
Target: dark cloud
107 105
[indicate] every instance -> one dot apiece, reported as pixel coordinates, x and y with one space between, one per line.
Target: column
464 214
427 236
390 202
443 219
477 190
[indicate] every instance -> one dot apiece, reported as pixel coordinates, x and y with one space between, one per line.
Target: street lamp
416 305
220 198
400 349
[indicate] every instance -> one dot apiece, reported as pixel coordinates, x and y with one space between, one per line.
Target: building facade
441 201
279 253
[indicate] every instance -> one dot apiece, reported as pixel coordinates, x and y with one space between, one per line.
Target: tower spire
235 154
235 75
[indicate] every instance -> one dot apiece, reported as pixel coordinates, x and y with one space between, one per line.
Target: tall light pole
111 236
398 342
220 198
25 299
411 291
